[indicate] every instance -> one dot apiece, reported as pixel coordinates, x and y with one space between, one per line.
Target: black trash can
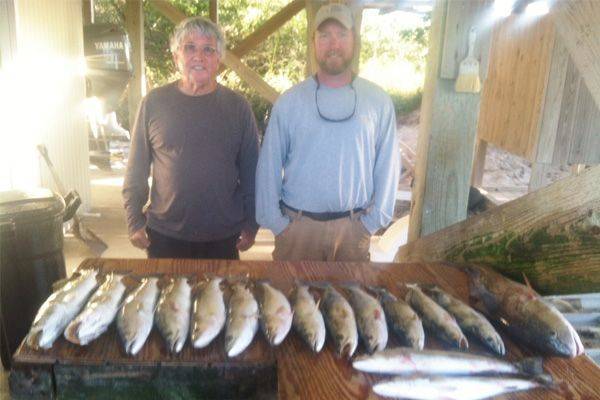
31 258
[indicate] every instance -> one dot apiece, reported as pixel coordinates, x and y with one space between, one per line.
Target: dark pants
162 246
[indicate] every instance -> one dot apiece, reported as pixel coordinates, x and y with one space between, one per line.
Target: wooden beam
578 23
134 23
266 29
552 235
229 59
311 11
446 139
250 77
357 10
168 10
213 11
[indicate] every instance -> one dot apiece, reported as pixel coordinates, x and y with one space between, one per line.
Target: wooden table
300 373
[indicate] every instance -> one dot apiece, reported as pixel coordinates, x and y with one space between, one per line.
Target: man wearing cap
329 164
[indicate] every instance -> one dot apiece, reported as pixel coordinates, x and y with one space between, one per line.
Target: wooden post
539 176
479 163
552 235
88 12
311 12
447 132
213 11
357 10
578 23
134 22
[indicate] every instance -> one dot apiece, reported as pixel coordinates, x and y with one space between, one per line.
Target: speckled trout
340 322
208 313
471 322
401 318
173 313
98 313
370 318
136 317
60 308
275 313
435 319
308 321
242 320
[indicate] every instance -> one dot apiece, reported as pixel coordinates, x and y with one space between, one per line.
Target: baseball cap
339 12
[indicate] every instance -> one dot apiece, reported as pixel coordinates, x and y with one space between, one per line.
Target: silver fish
370 318
275 313
308 321
407 361
242 320
435 319
134 321
60 309
405 323
99 312
340 321
208 313
524 313
470 321
173 313
453 387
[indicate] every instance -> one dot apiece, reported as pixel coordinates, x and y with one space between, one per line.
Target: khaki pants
344 239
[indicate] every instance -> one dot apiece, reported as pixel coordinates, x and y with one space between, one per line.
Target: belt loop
299 213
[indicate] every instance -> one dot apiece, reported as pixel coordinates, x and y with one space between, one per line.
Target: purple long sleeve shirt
203 152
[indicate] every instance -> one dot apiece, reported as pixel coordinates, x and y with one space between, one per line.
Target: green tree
281 58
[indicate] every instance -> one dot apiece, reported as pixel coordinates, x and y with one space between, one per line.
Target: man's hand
140 239
246 240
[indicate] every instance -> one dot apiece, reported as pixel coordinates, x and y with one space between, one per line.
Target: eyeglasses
191 48
332 118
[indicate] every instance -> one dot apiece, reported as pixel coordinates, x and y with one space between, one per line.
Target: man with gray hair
329 164
200 140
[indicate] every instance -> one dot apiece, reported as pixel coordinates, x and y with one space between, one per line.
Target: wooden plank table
300 373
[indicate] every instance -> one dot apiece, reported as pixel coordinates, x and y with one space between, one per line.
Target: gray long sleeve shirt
203 152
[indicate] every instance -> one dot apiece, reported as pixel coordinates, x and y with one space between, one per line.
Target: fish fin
526 280
408 285
547 381
532 366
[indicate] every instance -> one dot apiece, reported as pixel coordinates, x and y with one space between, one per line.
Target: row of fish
179 312
430 374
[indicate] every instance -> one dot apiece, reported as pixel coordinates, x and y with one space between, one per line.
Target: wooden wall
535 103
514 92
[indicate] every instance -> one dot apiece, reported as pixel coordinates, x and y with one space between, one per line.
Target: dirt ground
506 176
